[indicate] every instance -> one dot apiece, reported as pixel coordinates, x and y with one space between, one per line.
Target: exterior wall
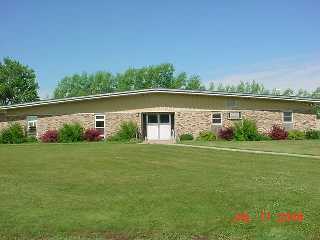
55 122
186 120
113 121
195 122
165 100
192 112
192 122
87 120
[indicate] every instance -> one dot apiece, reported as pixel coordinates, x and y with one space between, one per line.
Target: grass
135 191
311 147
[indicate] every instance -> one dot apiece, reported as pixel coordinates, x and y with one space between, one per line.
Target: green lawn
127 191
311 147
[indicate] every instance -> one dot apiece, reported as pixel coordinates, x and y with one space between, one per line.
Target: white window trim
100 120
291 116
35 124
221 117
32 121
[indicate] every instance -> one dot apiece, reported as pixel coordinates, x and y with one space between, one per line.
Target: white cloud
284 74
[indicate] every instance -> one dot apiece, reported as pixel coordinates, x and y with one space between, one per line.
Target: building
163 114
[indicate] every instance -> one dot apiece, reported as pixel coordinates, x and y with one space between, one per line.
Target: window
234 115
287 117
32 125
216 118
152 118
99 123
164 118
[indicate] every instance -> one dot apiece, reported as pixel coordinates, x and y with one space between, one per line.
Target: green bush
72 132
206 136
246 130
313 134
186 136
128 130
262 137
296 135
13 134
31 139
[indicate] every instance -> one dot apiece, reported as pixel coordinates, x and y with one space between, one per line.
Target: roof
162 90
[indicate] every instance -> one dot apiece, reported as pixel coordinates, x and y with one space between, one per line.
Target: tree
212 87
316 93
288 92
303 93
17 83
84 84
154 76
194 83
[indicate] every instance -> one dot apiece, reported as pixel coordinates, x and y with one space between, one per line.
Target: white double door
158 126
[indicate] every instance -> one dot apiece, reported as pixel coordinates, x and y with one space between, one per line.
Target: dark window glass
99 124
216 118
164 118
100 117
100 130
153 118
287 116
216 115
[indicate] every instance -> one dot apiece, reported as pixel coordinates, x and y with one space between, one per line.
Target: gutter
161 90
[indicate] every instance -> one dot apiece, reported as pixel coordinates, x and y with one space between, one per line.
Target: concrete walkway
248 151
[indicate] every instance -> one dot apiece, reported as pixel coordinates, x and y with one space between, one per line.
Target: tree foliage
17 83
154 76
158 76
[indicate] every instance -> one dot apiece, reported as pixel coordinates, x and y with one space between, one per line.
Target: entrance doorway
159 126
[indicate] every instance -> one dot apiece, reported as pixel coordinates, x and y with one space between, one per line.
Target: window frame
34 121
100 120
221 118
283 113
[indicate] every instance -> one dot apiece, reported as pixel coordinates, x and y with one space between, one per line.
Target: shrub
246 130
70 133
262 137
31 139
296 135
313 134
226 133
186 137
278 133
128 130
13 134
50 136
206 136
92 135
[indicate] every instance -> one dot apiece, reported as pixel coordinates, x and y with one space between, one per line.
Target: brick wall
113 121
185 121
194 122
55 122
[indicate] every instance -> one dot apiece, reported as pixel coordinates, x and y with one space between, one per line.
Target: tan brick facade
55 122
186 121
195 122
114 120
192 122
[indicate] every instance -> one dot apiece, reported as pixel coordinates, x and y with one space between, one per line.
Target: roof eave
160 90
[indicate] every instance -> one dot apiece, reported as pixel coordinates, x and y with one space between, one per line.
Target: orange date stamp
263 216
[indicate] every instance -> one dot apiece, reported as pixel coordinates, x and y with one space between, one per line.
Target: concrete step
171 141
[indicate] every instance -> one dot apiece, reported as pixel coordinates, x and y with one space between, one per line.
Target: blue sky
273 42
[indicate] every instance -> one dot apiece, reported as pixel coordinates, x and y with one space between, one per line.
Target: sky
274 42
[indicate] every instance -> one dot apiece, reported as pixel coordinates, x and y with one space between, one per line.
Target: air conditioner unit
234 115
